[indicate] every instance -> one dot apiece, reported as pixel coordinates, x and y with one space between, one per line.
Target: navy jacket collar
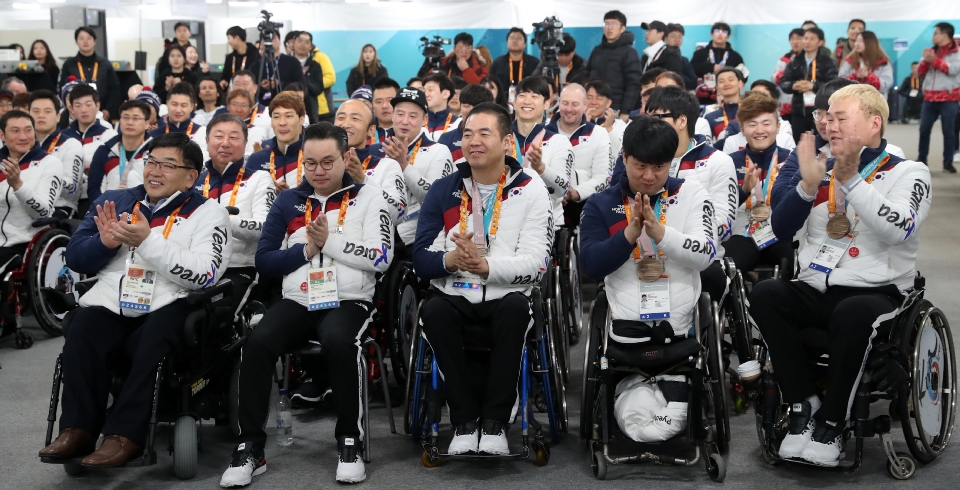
671 186
761 158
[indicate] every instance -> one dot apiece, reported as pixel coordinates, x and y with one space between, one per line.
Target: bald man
591 150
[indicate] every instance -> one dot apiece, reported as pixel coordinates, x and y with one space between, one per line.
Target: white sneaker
956 157
826 447
493 438
350 467
802 425
247 463
465 439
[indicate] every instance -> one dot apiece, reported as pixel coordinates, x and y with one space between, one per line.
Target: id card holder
512 93
137 291
830 253
762 234
913 93
466 280
710 80
809 98
654 299
322 293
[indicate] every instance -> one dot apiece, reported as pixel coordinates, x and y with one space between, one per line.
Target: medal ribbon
53 144
167 225
838 204
480 221
96 68
661 214
413 154
233 192
767 183
813 70
723 62
344 202
189 129
366 163
273 168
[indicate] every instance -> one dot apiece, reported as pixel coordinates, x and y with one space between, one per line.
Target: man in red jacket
462 62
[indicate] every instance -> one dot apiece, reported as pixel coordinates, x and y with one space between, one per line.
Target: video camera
432 49
548 35
268 29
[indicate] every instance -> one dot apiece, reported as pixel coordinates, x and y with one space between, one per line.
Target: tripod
268 68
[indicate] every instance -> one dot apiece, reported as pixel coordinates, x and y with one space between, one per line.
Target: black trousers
571 213
713 280
288 325
245 282
802 121
743 250
851 317
96 333
470 395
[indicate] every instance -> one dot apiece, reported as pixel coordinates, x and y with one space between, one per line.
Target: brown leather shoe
113 451
70 443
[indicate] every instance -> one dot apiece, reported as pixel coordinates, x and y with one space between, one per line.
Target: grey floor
310 461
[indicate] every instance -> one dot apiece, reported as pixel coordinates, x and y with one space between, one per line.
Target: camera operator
572 65
463 62
274 76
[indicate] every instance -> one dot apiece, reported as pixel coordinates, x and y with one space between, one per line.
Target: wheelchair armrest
58 301
40 223
85 285
223 288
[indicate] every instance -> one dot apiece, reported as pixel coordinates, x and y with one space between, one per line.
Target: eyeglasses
818 115
163 166
311 165
611 24
6 103
721 31
133 119
665 115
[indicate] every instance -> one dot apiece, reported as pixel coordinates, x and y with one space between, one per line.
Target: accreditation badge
137 291
322 293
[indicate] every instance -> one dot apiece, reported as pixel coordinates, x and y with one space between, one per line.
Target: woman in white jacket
868 63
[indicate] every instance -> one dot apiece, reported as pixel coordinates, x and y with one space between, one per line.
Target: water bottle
284 420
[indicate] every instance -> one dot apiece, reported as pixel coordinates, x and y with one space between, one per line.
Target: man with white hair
591 150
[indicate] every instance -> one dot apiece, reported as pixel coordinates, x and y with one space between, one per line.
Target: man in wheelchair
649 234
31 180
858 218
327 238
163 227
483 239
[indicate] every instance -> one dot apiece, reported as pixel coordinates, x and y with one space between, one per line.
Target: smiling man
282 155
729 86
63 144
181 102
165 228
118 163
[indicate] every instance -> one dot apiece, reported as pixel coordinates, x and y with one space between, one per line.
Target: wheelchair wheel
417 387
558 325
571 288
716 379
928 412
740 329
47 268
401 305
551 381
592 350
185 447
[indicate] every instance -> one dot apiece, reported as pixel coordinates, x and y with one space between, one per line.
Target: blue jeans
947 112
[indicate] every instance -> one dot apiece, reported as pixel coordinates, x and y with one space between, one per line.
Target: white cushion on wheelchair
644 415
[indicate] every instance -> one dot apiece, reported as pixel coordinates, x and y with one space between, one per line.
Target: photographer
463 62
274 76
572 65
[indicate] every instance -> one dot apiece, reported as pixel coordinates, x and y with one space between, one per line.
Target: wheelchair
193 382
924 404
424 398
42 265
699 358
562 291
396 298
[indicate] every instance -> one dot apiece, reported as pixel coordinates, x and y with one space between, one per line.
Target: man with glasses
6 101
118 164
707 62
163 227
327 223
245 80
616 62
845 47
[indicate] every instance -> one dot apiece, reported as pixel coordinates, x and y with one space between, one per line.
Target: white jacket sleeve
702 128
394 186
885 74
71 156
441 164
557 165
845 70
694 247
364 253
534 245
213 231
38 195
600 168
725 194
897 216
248 224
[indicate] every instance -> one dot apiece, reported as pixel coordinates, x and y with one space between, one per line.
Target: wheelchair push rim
403 315
48 269
929 412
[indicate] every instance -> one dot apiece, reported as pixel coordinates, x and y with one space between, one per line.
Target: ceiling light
243 4
26 6
214 1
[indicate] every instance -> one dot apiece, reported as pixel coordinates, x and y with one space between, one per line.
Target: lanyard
243 63
661 214
726 120
253 117
123 164
518 153
835 205
479 216
416 149
914 83
168 224
96 68
233 192
344 202
723 62
273 169
813 70
53 144
366 163
520 77
767 183
446 123
189 130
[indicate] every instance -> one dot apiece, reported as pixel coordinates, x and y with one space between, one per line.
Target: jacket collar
230 171
554 124
35 153
671 186
761 158
305 190
96 127
293 149
178 127
50 137
868 155
175 200
533 132
117 146
515 170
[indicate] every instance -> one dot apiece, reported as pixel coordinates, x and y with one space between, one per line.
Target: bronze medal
760 212
838 226
649 269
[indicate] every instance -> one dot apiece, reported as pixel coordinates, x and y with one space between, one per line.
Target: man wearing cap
97 71
422 160
6 101
153 100
658 54
63 144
